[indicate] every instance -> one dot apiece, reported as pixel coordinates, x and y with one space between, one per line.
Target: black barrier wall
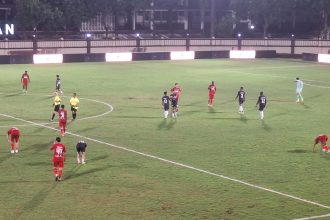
137 56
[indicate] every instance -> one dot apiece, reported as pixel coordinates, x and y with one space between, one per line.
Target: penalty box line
177 164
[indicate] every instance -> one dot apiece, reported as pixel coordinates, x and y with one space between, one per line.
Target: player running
81 152
25 80
241 99
177 91
299 88
58 158
58 85
212 89
322 139
262 101
174 101
62 119
166 104
56 104
74 102
13 139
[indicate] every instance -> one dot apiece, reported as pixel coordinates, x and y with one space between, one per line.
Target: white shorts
298 91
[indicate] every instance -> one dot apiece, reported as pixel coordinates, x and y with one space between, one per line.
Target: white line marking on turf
85 118
179 164
313 217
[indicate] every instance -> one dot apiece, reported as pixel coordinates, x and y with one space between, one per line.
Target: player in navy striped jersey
166 104
58 84
174 101
241 99
262 101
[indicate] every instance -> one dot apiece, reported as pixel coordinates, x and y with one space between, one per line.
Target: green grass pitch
117 184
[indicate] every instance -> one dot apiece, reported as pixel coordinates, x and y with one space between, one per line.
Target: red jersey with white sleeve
62 116
212 89
25 78
322 138
59 151
176 90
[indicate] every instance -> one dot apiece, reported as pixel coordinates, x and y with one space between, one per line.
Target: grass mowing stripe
178 164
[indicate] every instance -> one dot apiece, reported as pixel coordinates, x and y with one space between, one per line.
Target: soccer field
209 163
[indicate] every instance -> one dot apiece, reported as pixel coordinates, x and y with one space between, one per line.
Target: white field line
178 164
313 217
85 118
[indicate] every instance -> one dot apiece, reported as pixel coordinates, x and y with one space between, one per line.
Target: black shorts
240 101
58 87
261 107
166 107
73 109
56 108
81 147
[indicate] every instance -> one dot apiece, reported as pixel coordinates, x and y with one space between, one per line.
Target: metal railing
93 46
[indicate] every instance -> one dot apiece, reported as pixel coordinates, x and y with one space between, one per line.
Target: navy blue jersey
174 100
58 83
262 101
241 96
166 102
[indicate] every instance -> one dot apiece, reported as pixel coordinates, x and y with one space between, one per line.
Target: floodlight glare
292 35
239 35
252 27
137 35
88 35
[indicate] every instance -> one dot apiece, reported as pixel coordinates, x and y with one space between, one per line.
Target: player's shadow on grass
36 200
298 151
243 119
4 158
38 147
167 123
73 173
12 94
213 111
99 158
41 163
304 105
265 126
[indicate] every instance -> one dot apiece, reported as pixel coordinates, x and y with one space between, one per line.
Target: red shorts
211 96
25 82
325 148
62 124
58 162
14 138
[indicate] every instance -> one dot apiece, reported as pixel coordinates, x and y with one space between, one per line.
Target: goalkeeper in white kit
299 88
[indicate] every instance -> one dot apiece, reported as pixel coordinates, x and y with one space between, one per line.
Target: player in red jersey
177 91
58 158
322 139
62 119
25 80
13 139
212 89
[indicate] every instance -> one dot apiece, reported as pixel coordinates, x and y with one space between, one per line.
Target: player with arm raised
25 80
212 90
58 158
166 104
262 101
241 99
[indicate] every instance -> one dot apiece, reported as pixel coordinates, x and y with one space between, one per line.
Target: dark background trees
222 18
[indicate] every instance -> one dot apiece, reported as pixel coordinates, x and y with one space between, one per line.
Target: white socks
165 114
261 115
